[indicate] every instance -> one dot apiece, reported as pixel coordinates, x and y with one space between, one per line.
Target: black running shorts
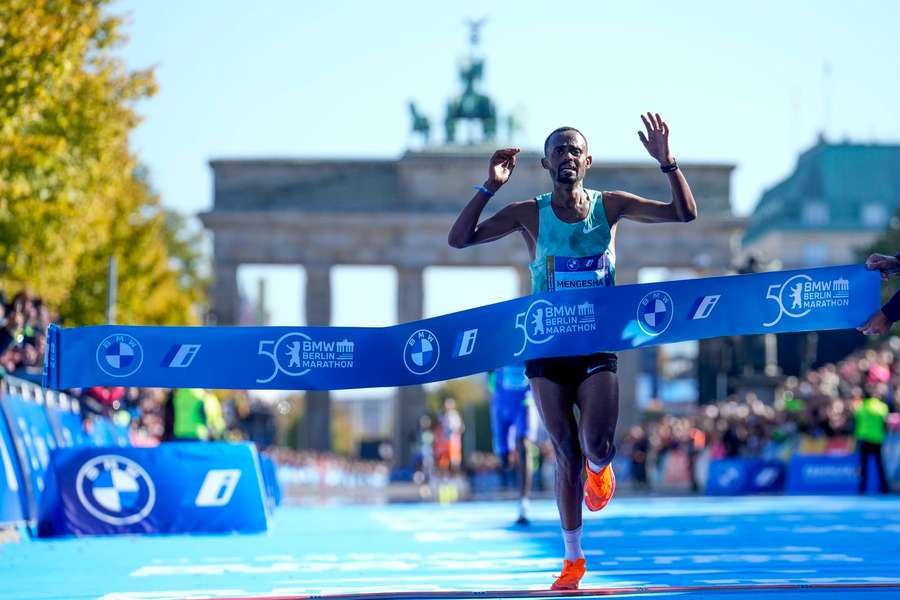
571 370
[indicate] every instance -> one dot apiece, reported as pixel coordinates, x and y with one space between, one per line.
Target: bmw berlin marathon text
801 294
295 354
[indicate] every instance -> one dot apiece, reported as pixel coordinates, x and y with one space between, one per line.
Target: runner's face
566 157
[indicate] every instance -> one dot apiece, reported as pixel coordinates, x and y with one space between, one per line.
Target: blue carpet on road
676 542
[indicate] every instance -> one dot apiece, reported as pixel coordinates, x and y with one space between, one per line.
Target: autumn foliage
71 191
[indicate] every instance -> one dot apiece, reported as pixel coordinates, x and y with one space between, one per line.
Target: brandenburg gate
319 213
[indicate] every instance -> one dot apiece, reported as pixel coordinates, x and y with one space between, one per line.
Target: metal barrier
801 473
13 496
64 413
60 478
33 422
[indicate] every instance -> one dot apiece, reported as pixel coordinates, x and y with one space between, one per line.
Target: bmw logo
654 313
120 355
421 352
572 264
115 490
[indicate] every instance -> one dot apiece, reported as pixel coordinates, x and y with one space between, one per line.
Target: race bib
568 273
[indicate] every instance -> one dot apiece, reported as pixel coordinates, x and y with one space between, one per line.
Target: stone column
317 418
226 300
318 295
410 404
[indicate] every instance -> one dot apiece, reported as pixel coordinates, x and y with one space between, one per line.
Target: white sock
572 540
523 507
595 467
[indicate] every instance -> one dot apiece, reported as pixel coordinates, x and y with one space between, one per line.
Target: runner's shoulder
529 204
522 210
614 202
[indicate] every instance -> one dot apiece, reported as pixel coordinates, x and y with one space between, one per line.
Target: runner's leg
555 405
598 400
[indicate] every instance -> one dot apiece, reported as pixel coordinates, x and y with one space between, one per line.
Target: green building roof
833 187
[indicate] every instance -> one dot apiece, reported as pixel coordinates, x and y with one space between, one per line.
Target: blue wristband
483 190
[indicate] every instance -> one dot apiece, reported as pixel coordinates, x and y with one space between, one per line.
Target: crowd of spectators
305 469
811 414
244 418
24 321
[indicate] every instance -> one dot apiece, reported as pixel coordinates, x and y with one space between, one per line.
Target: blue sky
737 82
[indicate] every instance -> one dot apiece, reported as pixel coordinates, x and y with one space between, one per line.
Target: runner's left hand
888 265
877 324
657 139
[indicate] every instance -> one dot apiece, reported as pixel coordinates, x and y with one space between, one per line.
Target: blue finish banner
735 476
563 323
179 487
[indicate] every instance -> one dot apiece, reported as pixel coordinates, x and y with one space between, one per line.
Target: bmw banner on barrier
736 476
181 487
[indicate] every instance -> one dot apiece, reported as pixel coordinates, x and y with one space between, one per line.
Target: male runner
511 412
574 222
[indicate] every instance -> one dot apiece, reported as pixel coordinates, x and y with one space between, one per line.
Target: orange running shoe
572 572
599 487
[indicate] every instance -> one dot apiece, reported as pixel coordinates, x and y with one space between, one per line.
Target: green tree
71 193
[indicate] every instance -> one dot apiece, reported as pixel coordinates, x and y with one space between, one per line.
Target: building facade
837 201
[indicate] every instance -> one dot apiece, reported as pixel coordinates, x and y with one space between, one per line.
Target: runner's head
566 155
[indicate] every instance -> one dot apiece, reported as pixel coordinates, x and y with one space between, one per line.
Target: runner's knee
599 447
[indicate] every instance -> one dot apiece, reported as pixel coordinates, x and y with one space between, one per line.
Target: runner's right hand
502 164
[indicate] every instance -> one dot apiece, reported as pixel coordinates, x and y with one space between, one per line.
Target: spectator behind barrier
870 417
194 414
23 336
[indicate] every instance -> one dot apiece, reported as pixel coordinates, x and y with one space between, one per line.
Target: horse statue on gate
420 123
471 104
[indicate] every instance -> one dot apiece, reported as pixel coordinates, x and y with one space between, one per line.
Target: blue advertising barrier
32 435
562 323
826 474
106 433
121 434
270 479
179 487
890 452
735 476
12 487
65 418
